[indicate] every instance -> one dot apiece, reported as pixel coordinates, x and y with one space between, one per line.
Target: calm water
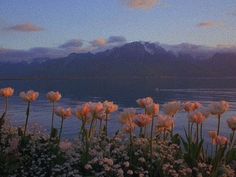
122 92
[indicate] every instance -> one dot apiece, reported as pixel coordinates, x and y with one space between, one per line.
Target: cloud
73 43
100 42
199 51
26 27
141 4
116 39
208 24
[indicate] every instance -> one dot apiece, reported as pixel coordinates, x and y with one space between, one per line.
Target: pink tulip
144 102
191 106
152 109
221 140
54 96
196 117
218 108
6 92
171 108
29 96
232 123
142 120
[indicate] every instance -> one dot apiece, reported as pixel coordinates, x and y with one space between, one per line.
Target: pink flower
164 122
29 96
191 106
213 136
218 108
232 123
196 117
142 120
109 107
144 102
221 140
6 92
95 108
152 109
82 112
127 116
171 108
54 96
63 112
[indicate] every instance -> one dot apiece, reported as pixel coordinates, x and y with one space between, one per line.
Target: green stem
27 117
151 136
197 133
62 121
91 125
100 127
218 127
201 131
232 141
52 121
6 105
106 123
140 133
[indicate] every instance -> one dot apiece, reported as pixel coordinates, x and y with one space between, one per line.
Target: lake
123 92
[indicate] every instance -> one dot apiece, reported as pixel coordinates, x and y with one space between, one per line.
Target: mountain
132 60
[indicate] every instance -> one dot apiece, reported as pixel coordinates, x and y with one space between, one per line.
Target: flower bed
146 146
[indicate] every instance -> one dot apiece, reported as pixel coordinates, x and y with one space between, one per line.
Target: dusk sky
83 24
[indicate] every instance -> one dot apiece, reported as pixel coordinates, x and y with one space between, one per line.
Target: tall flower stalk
6 93
53 97
63 113
29 97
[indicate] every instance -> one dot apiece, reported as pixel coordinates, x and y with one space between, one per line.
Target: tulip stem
62 121
140 132
201 131
91 125
6 105
100 127
197 133
151 136
218 127
232 140
27 117
53 112
106 123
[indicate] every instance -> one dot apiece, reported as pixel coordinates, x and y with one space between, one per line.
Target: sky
63 26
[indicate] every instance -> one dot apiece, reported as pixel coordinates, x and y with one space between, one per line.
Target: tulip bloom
144 102
218 108
213 135
53 97
232 123
171 108
6 93
221 140
29 97
64 114
165 122
96 108
191 106
109 107
142 120
152 109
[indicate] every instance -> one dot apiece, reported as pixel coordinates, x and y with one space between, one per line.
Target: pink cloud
208 24
26 27
100 42
141 4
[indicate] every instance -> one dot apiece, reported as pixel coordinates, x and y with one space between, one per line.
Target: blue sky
25 24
